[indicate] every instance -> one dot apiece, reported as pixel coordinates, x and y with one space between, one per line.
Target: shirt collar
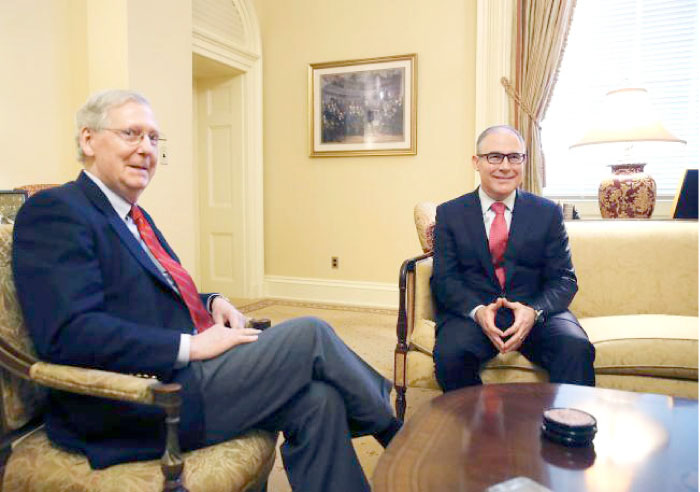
487 201
121 206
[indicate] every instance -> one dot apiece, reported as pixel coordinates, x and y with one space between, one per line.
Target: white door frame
246 57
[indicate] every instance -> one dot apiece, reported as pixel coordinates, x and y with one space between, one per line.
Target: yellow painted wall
360 208
57 52
108 43
42 51
160 66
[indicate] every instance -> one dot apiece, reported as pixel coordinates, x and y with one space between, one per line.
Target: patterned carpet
370 332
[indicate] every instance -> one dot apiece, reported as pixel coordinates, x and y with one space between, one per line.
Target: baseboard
349 292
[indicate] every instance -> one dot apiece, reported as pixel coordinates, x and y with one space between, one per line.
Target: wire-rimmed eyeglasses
134 136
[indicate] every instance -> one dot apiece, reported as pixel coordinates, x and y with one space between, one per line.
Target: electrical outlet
334 262
163 154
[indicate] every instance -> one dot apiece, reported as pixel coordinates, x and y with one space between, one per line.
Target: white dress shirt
488 216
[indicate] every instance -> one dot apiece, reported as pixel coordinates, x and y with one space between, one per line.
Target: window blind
652 44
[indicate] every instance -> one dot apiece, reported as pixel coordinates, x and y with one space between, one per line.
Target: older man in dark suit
100 287
503 277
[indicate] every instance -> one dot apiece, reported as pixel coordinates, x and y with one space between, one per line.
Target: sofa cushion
634 267
645 345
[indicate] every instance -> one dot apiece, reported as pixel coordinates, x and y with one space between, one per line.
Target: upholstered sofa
34 464
637 301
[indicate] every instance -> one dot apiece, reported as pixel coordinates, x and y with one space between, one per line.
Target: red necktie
200 317
498 238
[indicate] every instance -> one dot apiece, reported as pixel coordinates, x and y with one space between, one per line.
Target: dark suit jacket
538 265
92 297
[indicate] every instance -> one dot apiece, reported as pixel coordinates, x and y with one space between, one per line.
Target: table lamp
627 117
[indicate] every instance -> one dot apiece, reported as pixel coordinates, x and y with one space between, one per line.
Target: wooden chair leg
167 396
400 402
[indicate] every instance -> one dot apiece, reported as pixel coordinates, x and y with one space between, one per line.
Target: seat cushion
645 345
236 465
423 336
504 368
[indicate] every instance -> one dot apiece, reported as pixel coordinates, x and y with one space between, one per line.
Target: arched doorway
227 97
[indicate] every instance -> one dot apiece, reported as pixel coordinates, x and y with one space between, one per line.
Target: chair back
424 217
20 399
34 188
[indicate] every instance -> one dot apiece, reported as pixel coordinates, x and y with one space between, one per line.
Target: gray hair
498 129
93 114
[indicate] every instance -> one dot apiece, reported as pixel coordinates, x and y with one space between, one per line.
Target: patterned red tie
498 239
200 317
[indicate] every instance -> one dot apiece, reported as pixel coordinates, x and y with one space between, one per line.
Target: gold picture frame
363 107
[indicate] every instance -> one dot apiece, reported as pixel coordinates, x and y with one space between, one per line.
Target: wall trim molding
246 57
348 292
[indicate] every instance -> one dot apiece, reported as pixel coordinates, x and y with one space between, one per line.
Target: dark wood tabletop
474 438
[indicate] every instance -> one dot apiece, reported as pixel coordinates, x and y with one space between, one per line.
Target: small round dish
569 426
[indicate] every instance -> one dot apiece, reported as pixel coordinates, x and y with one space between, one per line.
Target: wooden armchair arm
408 268
93 382
124 387
404 325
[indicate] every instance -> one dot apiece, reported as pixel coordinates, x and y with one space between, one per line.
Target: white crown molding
348 292
208 44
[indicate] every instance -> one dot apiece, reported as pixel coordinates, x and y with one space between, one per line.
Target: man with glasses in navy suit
502 275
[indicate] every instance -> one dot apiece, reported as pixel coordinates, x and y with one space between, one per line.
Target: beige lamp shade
627 116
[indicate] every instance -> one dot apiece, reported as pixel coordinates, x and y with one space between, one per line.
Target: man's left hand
523 321
225 313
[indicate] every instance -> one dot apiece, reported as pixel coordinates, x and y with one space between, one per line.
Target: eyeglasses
495 158
134 136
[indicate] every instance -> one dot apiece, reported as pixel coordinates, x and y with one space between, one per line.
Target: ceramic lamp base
629 193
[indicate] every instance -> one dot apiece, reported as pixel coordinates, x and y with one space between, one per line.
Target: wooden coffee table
471 439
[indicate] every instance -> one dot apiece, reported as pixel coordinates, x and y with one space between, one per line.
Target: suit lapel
99 200
518 229
474 223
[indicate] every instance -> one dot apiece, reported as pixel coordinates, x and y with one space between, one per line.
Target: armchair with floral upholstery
35 464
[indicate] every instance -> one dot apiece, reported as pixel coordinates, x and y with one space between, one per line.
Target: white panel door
221 201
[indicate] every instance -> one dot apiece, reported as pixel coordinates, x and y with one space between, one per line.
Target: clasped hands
227 331
523 321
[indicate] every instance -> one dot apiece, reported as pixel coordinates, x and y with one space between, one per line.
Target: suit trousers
301 379
558 345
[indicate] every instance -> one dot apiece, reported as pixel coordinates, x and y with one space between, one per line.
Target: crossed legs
301 379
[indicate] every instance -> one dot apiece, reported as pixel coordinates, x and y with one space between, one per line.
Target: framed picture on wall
10 202
363 107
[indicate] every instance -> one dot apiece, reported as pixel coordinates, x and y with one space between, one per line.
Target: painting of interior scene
362 107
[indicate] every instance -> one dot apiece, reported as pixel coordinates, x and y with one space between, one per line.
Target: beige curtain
544 29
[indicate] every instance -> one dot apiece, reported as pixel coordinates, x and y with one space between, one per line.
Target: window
625 43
